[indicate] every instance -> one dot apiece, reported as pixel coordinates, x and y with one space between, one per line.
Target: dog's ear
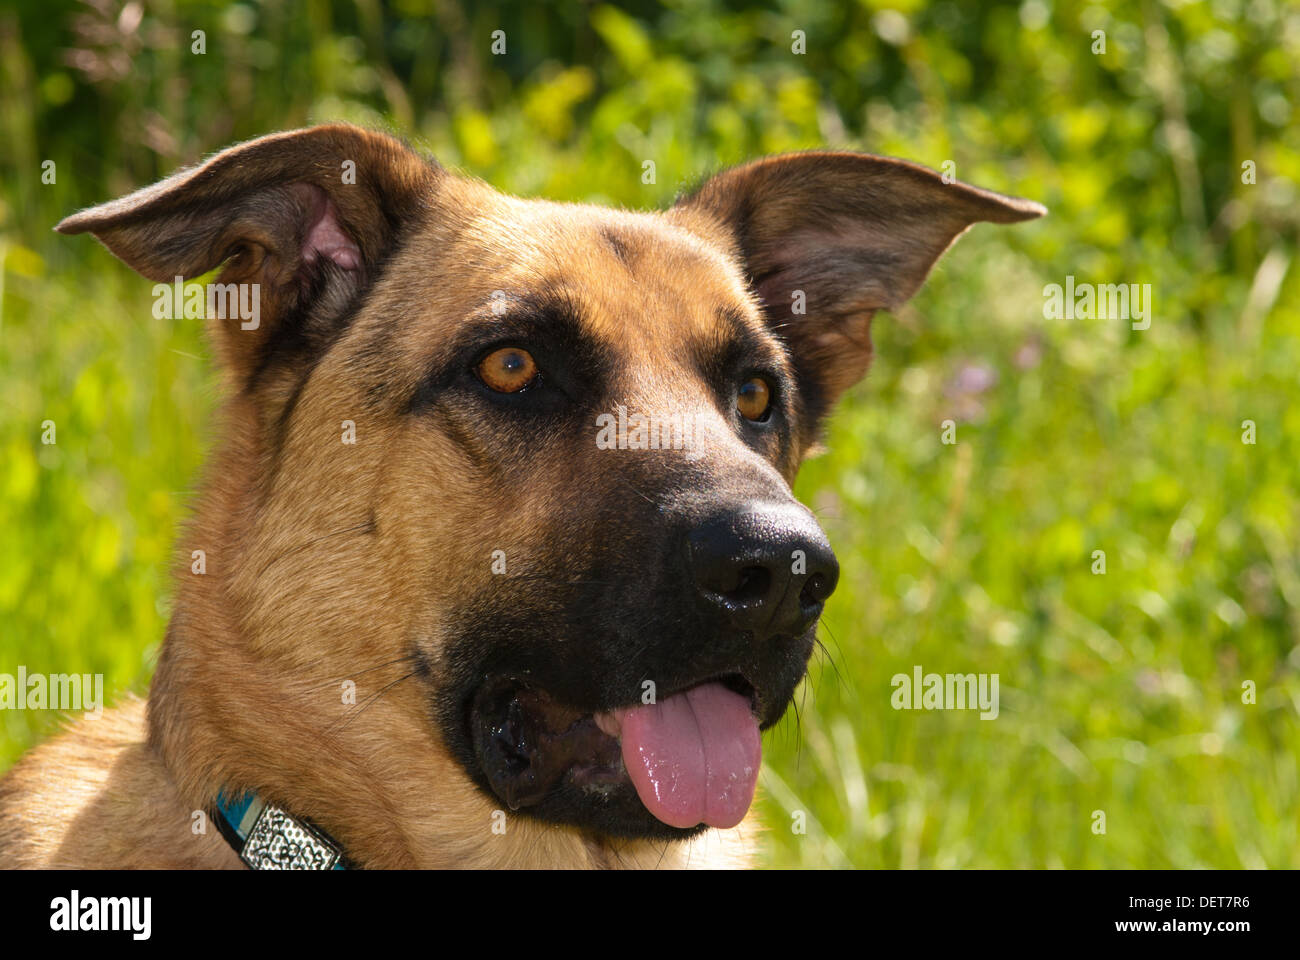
828 238
308 216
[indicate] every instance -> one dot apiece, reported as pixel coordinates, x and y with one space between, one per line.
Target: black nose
768 568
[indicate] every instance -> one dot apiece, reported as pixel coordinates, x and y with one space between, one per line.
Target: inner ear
826 239
325 237
306 218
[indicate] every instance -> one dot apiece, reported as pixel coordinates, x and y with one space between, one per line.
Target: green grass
1120 692
89 520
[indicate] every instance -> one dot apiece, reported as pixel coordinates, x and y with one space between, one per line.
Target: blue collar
268 838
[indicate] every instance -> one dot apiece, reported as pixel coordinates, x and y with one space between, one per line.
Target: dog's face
571 577
538 454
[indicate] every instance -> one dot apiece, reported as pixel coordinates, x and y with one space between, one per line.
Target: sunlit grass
1120 692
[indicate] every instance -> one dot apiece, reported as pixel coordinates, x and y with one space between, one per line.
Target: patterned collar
268 838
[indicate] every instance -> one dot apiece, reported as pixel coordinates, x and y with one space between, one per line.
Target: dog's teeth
609 725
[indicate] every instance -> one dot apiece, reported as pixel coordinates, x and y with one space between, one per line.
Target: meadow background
1120 692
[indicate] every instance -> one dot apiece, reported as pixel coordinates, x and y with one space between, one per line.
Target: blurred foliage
1120 692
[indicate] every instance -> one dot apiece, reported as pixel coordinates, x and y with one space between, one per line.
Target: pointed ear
308 216
853 232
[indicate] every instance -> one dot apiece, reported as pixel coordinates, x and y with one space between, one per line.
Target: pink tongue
694 757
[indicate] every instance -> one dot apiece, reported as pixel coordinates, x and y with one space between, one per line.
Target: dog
497 562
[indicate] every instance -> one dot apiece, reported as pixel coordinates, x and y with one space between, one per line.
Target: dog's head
520 470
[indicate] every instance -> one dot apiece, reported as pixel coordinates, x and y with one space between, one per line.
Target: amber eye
754 398
508 370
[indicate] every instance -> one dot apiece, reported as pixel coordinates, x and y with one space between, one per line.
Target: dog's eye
508 370
754 399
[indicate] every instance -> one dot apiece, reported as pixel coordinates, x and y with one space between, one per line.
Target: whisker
839 677
663 854
360 673
798 731
364 525
329 730
542 578
643 496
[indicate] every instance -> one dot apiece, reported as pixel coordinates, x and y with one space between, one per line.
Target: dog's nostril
766 569
816 590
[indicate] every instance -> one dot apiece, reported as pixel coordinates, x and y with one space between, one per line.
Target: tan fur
326 561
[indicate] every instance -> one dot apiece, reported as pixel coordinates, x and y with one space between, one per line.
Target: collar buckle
266 837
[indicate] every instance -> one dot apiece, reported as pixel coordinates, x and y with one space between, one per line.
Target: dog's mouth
691 757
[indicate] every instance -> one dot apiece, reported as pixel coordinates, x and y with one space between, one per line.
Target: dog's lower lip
528 743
